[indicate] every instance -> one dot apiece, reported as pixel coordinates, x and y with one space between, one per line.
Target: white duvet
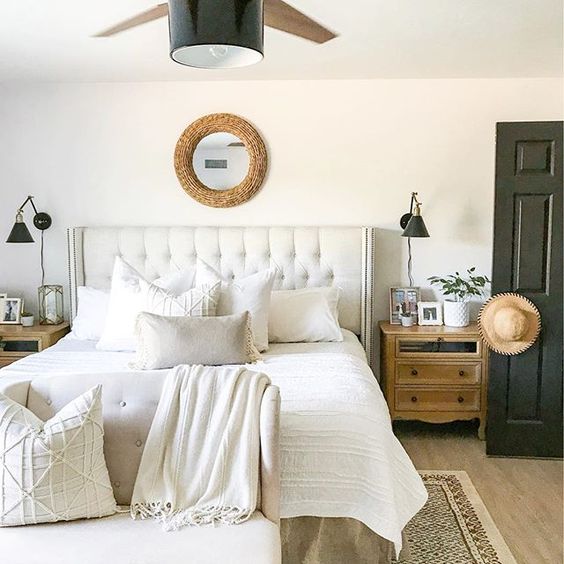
339 456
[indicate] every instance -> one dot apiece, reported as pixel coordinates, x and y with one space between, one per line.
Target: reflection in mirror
221 161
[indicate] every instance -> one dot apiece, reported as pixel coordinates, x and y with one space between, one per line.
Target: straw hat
509 323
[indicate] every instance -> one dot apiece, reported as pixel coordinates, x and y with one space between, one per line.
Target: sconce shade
415 227
216 35
19 234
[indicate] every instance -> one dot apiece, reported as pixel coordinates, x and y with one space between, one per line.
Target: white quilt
339 455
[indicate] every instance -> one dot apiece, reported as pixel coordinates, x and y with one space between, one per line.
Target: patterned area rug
454 527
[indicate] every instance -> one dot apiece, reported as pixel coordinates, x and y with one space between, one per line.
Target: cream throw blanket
200 465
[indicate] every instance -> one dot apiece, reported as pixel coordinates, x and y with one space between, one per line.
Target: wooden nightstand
17 341
434 373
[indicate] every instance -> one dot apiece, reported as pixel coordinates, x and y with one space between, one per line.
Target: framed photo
403 299
3 296
11 311
430 313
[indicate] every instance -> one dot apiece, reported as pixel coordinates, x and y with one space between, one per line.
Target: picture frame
403 295
430 313
3 296
11 311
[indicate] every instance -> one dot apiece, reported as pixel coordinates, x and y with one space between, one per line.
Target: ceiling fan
224 33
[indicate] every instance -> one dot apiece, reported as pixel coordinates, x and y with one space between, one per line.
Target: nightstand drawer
421 372
418 399
19 346
438 347
7 359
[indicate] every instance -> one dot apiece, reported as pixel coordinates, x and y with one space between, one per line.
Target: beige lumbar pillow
53 470
164 342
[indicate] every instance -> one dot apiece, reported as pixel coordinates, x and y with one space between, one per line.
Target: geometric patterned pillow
54 470
198 302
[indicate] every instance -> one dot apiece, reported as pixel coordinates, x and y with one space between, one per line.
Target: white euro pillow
131 294
307 315
251 294
88 325
93 303
53 470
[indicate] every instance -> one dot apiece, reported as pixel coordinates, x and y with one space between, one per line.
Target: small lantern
50 304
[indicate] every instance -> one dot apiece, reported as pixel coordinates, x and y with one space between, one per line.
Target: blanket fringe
196 516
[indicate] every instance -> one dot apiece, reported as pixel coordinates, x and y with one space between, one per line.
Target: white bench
129 404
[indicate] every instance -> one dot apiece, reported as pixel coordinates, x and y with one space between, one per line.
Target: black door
525 391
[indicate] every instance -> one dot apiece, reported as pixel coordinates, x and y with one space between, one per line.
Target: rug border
494 535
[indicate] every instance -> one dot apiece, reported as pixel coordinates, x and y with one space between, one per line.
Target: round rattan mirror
220 160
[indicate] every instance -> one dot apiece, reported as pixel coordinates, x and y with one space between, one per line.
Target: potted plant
27 319
405 316
457 291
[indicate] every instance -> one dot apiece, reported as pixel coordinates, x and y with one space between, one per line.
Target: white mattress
339 455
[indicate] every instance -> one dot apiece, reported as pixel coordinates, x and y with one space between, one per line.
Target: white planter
27 320
456 314
407 321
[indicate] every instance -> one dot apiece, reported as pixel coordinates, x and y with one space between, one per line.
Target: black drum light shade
216 35
20 233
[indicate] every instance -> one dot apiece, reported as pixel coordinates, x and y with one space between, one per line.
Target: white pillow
197 302
91 315
178 281
306 315
250 294
129 297
54 470
167 341
93 304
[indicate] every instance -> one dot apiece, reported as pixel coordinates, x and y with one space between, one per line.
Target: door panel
531 233
525 391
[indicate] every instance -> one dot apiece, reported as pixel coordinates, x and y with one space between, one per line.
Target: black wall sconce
413 226
20 233
50 296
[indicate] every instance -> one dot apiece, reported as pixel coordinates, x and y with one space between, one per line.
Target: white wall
341 152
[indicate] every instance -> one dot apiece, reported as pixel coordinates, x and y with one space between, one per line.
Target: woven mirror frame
220 123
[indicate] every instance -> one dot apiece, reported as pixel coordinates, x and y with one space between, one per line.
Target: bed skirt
331 540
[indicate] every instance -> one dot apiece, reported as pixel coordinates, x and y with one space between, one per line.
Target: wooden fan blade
159 11
282 16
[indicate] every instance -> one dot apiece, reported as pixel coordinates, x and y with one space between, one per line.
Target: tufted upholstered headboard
305 256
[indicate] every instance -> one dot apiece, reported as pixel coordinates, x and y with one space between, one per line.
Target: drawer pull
460 399
461 372
413 399
414 372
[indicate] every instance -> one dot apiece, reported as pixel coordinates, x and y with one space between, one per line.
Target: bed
348 487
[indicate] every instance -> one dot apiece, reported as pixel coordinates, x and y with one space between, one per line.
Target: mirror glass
221 161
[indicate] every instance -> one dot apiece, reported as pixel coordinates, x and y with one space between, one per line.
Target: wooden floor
524 497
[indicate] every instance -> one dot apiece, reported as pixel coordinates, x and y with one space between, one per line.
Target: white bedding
340 457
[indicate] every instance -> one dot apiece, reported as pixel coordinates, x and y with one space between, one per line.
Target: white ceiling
49 40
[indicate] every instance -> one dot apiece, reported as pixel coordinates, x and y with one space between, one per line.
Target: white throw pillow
93 304
306 315
178 281
198 302
128 298
91 315
250 294
54 470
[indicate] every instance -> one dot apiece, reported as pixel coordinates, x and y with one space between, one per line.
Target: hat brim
487 328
